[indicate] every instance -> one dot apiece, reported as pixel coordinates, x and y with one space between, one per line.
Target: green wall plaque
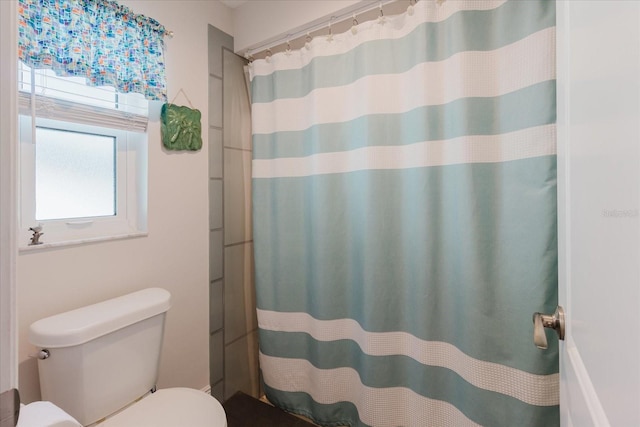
180 128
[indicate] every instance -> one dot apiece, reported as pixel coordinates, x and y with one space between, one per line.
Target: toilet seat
171 407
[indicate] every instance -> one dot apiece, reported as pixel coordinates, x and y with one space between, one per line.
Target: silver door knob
552 321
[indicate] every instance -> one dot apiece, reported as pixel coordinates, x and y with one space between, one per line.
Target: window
82 159
75 174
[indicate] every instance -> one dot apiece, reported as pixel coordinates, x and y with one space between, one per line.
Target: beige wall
257 22
175 254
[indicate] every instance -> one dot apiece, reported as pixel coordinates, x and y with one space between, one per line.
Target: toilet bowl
171 407
99 364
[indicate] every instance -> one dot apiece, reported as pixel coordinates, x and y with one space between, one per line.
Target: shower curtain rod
348 13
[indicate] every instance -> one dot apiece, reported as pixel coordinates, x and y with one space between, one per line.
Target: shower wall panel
233 325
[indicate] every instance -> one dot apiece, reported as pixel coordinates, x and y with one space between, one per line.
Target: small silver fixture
553 321
43 354
37 233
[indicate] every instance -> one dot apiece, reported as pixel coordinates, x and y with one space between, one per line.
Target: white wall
175 254
257 22
8 125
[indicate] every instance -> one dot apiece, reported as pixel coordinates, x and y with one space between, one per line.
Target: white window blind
44 94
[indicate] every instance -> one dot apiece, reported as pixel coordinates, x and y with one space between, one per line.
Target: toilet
99 364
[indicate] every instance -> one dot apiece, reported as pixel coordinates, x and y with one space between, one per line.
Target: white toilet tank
104 356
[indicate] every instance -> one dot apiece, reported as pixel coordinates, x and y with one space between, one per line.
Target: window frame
131 188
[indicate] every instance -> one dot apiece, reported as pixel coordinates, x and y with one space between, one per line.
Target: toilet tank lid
87 323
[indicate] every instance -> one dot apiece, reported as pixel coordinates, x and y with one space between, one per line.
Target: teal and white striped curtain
404 189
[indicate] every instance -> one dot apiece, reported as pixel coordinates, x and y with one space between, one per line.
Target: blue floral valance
98 39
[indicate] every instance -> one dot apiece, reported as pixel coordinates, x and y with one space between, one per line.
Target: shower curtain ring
288 50
330 36
307 43
381 18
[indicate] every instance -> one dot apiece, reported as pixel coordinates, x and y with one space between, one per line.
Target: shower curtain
404 198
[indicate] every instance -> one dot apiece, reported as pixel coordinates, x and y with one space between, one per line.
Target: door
598 207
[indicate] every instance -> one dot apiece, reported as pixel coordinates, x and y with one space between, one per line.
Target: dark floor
245 411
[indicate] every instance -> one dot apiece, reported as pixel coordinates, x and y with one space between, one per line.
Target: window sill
53 245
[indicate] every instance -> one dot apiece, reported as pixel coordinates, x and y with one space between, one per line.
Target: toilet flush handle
43 354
